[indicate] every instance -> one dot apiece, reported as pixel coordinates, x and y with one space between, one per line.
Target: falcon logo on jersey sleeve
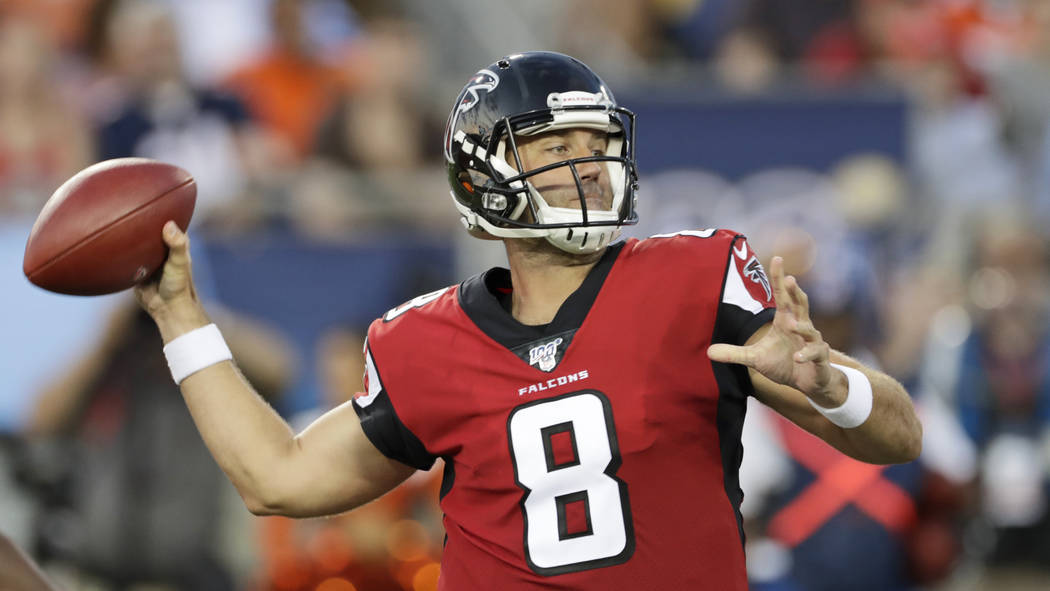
747 285
756 274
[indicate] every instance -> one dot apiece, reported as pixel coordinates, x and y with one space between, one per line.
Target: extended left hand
791 351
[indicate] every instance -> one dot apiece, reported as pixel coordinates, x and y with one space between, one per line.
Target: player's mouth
597 200
568 196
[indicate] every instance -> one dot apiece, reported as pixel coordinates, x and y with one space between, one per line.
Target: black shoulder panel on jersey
735 325
385 430
732 406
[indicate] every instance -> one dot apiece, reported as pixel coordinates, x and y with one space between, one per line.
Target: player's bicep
339 467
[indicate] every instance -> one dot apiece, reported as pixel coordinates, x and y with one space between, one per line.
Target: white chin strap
576 240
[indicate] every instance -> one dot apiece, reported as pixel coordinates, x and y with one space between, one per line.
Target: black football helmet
527 94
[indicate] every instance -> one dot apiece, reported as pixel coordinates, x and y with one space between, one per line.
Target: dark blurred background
895 152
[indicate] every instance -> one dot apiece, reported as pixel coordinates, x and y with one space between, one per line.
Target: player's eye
557 149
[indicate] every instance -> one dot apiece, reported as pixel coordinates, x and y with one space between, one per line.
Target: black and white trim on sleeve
747 296
383 427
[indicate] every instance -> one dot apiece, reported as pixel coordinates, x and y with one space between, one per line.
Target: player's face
558 186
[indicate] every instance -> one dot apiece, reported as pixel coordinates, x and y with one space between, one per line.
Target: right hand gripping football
169 296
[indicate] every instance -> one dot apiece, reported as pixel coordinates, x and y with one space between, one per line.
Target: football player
587 401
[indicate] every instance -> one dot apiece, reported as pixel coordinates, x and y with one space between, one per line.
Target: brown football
100 232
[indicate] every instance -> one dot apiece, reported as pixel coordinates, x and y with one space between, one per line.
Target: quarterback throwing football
587 401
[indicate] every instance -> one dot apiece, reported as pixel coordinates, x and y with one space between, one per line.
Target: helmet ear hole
465 181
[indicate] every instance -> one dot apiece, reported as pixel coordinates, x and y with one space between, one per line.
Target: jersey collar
478 298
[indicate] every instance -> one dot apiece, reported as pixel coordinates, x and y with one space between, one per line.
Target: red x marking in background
841 481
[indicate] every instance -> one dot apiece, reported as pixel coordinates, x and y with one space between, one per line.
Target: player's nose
588 171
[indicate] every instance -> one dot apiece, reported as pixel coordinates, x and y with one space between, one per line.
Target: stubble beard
538 251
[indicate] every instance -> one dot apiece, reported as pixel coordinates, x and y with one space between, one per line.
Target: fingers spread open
799 299
808 332
776 278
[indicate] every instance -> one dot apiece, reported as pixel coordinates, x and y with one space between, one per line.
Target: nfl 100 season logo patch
545 355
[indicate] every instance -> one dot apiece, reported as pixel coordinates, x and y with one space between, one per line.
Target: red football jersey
597 452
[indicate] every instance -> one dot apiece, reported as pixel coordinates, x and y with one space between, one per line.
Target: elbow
262 506
914 446
907 438
266 497
911 439
287 503
261 509
908 446
908 452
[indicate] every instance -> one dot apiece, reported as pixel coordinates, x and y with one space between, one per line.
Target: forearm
329 468
247 438
891 434
792 370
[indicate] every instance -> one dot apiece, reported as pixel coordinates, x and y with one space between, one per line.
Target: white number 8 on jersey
576 511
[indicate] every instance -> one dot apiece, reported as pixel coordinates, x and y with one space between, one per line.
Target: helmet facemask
511 206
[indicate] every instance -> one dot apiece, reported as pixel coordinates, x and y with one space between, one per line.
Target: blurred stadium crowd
313 127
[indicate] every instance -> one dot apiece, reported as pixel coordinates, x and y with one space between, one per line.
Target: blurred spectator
141 500
961 166
890 226
62 21
44 141
794 29
148 108
745 61
1019 82
824 38
872 195
693 28
600 34
290 88
901 35
379 121
689 198
220 36
376 152
988 366
820 520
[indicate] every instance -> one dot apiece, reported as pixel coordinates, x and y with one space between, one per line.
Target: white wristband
195 350
857 407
